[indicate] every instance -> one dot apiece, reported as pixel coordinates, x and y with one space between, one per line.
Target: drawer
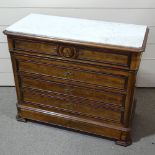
73 74
104 98
65 103
103 56
36 47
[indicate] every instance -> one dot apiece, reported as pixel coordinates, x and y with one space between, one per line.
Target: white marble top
83 30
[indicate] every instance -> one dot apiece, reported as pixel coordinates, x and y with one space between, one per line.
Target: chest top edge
15 35
82 31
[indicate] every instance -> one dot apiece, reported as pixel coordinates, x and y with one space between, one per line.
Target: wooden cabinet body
78 85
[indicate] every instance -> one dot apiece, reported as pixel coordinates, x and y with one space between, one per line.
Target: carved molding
67 52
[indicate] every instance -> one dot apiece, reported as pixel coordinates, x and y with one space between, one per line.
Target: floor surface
18 138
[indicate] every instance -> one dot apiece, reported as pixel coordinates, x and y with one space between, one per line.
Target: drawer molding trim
68 60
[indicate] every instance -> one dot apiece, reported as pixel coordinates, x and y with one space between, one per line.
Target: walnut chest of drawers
76 73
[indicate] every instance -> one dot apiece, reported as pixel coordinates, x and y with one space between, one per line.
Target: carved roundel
67 52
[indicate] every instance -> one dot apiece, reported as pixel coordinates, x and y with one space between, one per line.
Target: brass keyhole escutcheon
68 74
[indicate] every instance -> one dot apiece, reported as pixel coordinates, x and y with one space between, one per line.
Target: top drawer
104 56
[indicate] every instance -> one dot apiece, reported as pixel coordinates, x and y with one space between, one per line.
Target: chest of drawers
75 73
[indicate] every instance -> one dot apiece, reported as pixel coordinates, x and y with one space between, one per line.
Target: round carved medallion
67 52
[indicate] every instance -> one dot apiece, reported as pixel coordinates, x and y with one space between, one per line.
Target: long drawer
52 100
106 56
102 97
56 69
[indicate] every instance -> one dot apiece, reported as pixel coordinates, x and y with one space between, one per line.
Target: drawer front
63 102
36 47
99 79
104 56
104 98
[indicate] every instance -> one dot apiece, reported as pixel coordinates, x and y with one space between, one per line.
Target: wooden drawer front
37 47
109 99
105 56
63 102
74 74
22 55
